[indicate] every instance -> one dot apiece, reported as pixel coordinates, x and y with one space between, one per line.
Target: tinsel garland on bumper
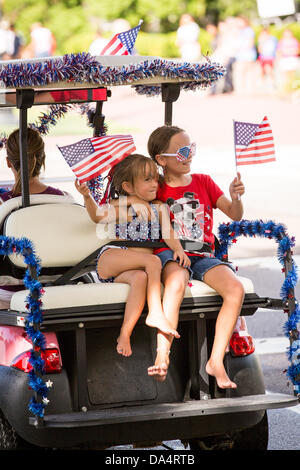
24 247
228 234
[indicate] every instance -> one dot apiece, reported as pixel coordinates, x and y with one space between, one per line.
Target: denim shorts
199 264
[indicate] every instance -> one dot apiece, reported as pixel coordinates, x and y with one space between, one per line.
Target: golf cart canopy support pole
25 99
169 93
98 120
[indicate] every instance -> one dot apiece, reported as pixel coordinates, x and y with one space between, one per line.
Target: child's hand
83 189
236 188
184 260
142 208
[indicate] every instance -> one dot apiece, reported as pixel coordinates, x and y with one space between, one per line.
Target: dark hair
159 140
129 169
35 153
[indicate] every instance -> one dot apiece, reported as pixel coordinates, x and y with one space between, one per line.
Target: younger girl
36 161
191 199
137 177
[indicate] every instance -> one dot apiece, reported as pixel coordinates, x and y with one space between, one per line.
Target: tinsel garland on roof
84 68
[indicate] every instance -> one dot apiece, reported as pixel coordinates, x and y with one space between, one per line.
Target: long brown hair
129 169
35 153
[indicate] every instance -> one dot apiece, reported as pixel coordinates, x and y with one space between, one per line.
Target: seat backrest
62 234
16 202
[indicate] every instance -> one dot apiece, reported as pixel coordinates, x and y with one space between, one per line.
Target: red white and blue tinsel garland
228 234
24 247
84 68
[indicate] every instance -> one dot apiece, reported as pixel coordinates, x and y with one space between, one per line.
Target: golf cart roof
86 71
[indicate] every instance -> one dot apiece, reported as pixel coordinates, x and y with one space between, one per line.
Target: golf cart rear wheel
9 439
254 438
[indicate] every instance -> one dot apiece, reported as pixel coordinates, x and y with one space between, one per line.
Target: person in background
225 53
245 57
287 59
267 46
98 44
43 42
188 39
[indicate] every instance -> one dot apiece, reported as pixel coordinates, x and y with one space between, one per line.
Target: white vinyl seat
16 202
63 235
78 295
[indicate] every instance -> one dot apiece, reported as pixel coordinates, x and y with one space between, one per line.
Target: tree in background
217 10
74 22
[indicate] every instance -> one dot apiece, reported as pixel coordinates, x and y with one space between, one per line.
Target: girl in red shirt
191 199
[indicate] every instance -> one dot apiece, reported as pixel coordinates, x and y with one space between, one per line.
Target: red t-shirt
191 208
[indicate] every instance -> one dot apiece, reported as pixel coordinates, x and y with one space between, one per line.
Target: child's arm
234 208
169 236
102 214
141 207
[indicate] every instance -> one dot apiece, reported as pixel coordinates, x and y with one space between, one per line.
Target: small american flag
253 143
122 43
89 158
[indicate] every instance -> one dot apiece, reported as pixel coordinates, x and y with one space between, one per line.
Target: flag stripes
114 47
122 43
89 158
254 147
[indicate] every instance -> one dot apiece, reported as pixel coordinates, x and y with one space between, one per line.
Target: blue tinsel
23 246
228 234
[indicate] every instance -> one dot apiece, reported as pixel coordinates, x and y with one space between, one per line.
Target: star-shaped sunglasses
183 153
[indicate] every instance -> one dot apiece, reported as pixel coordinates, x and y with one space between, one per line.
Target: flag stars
244 132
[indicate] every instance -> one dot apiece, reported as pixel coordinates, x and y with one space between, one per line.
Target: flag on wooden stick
122 43
91 157
253 143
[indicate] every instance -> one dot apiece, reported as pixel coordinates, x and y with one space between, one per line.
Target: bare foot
160 322
124 346
160 369
218 371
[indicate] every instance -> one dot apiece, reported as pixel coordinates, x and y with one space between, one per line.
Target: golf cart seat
64 236
15 203
80 295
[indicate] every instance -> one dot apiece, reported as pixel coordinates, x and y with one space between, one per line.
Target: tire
254 438
211 443
9 440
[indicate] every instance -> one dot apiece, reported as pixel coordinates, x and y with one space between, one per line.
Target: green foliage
68 26
156 44
220 9
73 22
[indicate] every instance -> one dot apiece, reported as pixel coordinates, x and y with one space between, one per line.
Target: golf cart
62 383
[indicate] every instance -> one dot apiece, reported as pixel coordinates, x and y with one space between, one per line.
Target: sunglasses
183 153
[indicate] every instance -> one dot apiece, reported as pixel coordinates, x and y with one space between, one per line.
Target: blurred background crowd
260 55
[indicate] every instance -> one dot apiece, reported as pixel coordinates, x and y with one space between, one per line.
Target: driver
36 160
